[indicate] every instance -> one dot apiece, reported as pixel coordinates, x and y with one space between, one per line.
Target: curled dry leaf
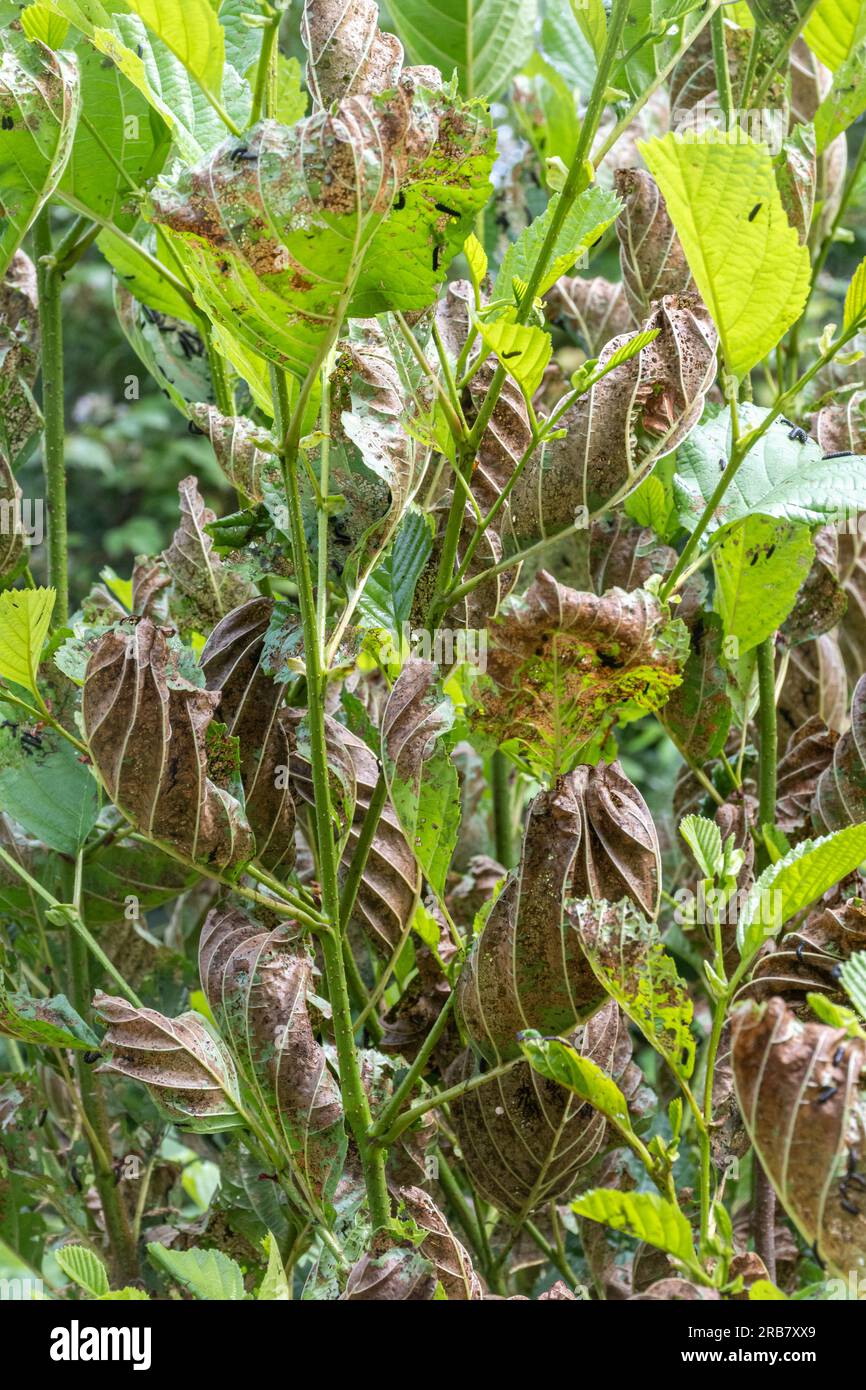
840 426
852 577
840 796
451 1263
651 256
146 728
593 310
407 1164
391 880
563 666
675 1291
809 753
397 1275
185 1067
20 416
407 1024
638 413
618 856
821 600
256 982
526 1140
526 969
150 579
204 587
799 1087
251 707
815 683
796 175
349 54
807 959
245 452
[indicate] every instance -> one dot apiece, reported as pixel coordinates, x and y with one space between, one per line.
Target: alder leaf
50 792
486 41
643 1215
587 219
834 29
204 586
25 616
186 1068
523 351
192 32
257 982
206 1274
39 103
855 297
760 565
800 1092
147 727
564 666
84 1268
43 1022
560 1062
387 598
720 190
853 976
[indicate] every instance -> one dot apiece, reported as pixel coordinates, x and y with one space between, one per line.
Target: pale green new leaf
586 220
834 29
704 839
795 882
25 615
764 1291
760 564
41 23
592 20
779 477
207 1274
486 41
39 104
844 103
523 351
853 977
84 1268
274 1287
191 31
644 1215
855 299
753 274
476 258
558 1061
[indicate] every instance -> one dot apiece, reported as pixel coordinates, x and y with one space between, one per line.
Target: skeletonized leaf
807 756
397 1275
594 310
799 1089
147 729
563 666
39 101
840 796
257 982
451 1262
807 961
203 583
348 53
244 452
650 252
186 1068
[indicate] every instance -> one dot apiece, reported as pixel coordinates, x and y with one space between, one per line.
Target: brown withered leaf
821 601
638 413
451 1263
205 588
185 1067
593 310
421 1001
840 426
256 982
150 579
796 173
698 713
407 1163
651 256
808 754
815 683
348 53
244 451
852 576
396 1275
563 666
526 969
20 416
251 707
807 959
674 1290
618 856
391 879
475 888
799 1088
11 530
146 727
840 796
526 1140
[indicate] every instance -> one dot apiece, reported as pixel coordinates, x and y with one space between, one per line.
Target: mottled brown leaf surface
252 708
257 982
641 411
799 1088
397 1276
20 417
450 1260
526 970
809 753
698 713
146 728
807 959
348 53
651 256
593 310
618 856
815 683
245 452
11 532
840 796
840 426
563 666
188 1071
204 586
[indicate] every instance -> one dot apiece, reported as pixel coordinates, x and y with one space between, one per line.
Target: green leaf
844 103
84 1268
207 1274
704 839
587 219
25 615
559 1062
855 299
698 713
797 881
779 477
49 792
834 29
274 1287
644 1215
44 1022
547 108
387 598
128 1294
476 258
141 277
592 21
523 351
191 31
753 274
853 977
487 41
759 565
39 22
39 103
763 1291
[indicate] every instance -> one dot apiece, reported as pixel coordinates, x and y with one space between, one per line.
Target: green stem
719 1016
366 836
551 1253
410 1080
51 330
355 1100
500 784
263 69
768 735
408 1118
720 62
